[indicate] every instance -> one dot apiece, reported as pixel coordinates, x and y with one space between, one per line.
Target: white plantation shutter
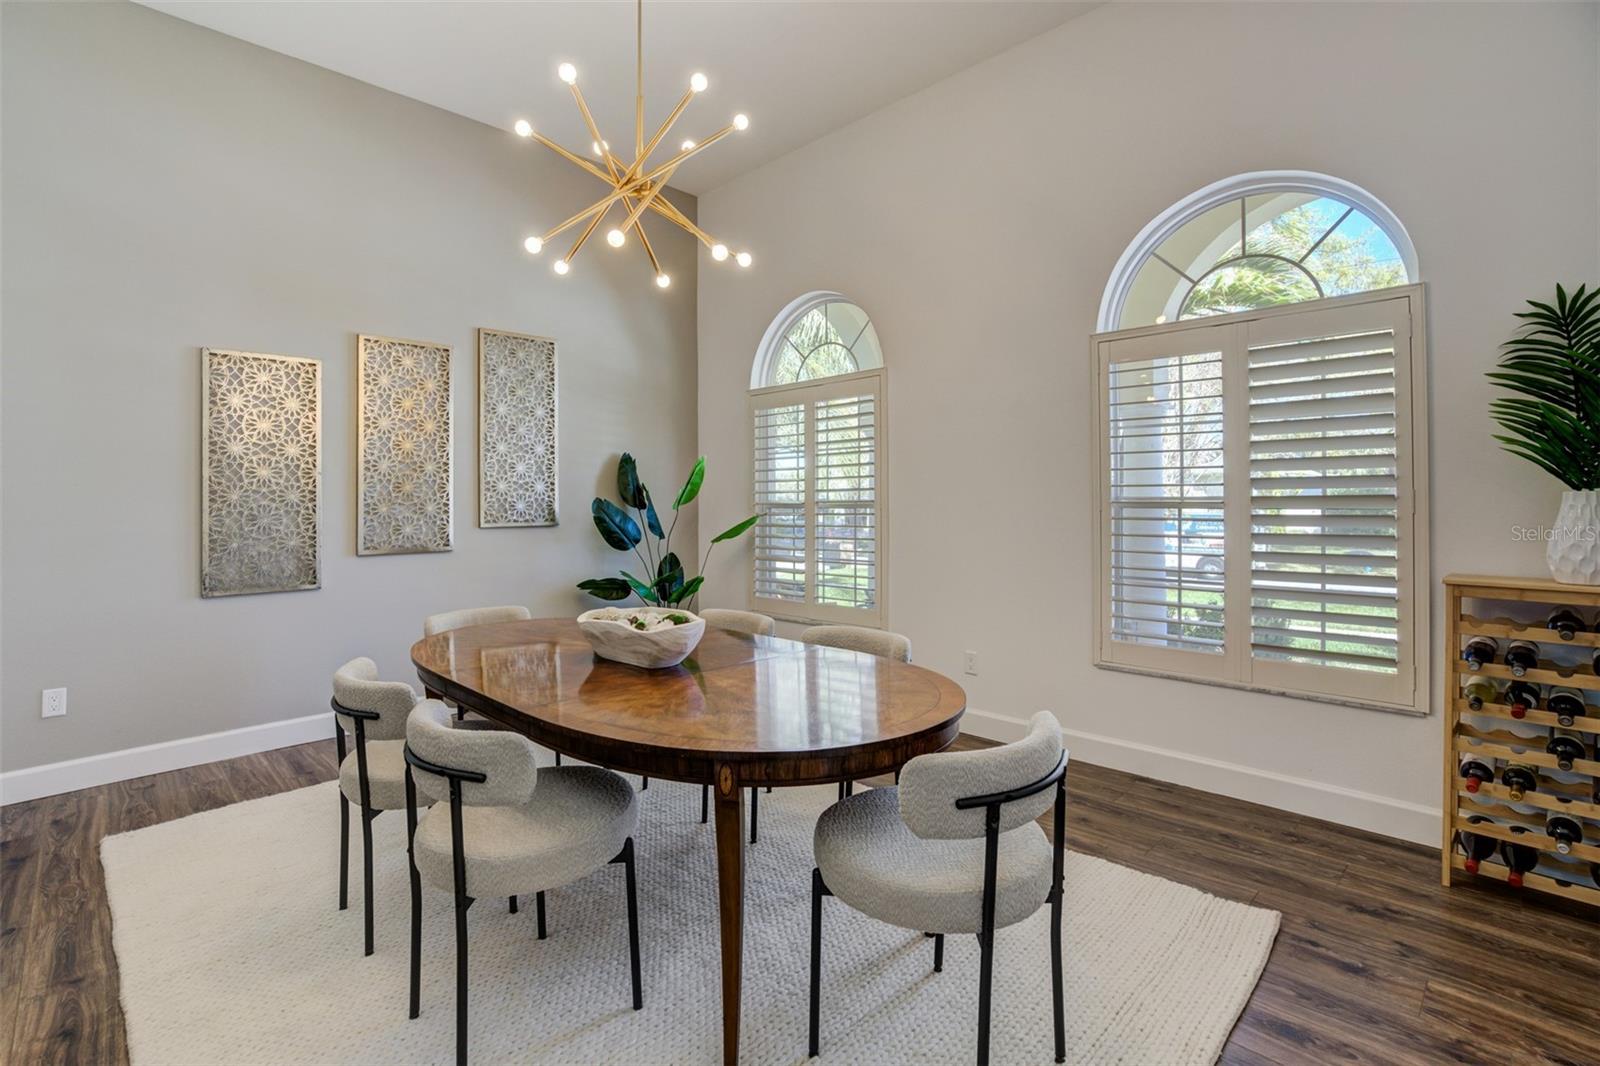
1164 495
1258 518
818 457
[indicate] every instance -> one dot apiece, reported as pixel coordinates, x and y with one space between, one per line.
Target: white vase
1574 548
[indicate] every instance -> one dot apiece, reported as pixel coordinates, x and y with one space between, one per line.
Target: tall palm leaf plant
1553 367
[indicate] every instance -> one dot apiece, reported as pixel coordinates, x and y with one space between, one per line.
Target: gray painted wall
165 188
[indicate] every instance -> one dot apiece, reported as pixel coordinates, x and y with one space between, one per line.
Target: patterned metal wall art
516 429
403 496
260 473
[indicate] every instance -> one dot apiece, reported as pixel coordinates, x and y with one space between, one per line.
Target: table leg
730 897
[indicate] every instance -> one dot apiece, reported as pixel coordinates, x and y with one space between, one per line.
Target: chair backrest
931 784
505 759
739 621
356 686
859 638
472 616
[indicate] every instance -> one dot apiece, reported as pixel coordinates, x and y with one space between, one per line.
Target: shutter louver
846 488
780 499
1324 502
1165 518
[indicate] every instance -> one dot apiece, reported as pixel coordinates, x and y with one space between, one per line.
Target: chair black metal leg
538 906
818 890
645 787
366 862
705 804
513 904
769 788
463 901
755 794
344 824
1056 991
416 894
846 788
633 923
558 758
938 953
986 938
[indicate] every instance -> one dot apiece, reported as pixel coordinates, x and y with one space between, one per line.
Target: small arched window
820 335
816 408
1255 241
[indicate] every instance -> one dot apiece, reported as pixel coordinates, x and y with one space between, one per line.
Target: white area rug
232 950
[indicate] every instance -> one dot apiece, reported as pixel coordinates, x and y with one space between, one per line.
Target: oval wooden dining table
740 711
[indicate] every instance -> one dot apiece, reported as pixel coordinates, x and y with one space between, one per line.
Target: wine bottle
1522 697
1480 650
1566 622
1519 778
1476 769
1476 846
1566 745
1564 829
1519 858
1481 690
1566 703
1522 656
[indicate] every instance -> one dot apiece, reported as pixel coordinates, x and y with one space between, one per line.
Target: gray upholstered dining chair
953 848
445 621
757 625
879 642
501 826
374 775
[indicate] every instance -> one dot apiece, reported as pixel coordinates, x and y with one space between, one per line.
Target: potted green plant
665 583
1553 366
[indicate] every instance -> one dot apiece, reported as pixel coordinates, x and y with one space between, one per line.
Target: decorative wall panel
260 473
404 484
516 429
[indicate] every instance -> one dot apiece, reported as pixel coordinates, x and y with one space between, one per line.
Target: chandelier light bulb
567 73
685 146
744 259
600 147
534 245
615 238
741 121
719 252
663 280
524 128
698 82
562 267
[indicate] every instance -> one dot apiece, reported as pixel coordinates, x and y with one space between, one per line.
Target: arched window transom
822 335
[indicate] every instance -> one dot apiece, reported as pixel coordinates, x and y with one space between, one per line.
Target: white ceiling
799 68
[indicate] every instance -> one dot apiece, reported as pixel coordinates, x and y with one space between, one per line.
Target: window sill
1313 697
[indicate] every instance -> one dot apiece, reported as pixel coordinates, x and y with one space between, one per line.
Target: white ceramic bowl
613 637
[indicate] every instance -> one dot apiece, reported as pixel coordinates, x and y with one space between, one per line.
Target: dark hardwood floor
1375 961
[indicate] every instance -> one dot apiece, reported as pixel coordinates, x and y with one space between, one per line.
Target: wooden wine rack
1493 800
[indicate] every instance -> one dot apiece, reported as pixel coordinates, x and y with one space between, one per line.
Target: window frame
807 393
1235 667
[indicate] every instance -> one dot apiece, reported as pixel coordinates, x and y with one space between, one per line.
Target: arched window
820 335
816 408
1255 241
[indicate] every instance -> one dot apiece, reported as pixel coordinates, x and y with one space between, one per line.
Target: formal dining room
875 532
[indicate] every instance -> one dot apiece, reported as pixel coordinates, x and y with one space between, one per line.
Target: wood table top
775 710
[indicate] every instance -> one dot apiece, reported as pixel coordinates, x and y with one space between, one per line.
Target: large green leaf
629 490
691 587
651 521
619 530
691 488
1553 369
669 577
607 588
736 531
646 593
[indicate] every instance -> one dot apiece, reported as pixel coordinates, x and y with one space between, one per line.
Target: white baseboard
73 774
1316 799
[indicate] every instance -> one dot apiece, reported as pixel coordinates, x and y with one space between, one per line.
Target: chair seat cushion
577 822
873 862
386 775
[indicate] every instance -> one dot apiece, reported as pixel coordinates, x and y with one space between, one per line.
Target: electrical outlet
54 704
970 662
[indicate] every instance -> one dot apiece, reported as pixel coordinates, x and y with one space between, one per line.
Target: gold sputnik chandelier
633 188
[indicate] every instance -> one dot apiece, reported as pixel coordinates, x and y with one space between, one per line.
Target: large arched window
816 407
1255 241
